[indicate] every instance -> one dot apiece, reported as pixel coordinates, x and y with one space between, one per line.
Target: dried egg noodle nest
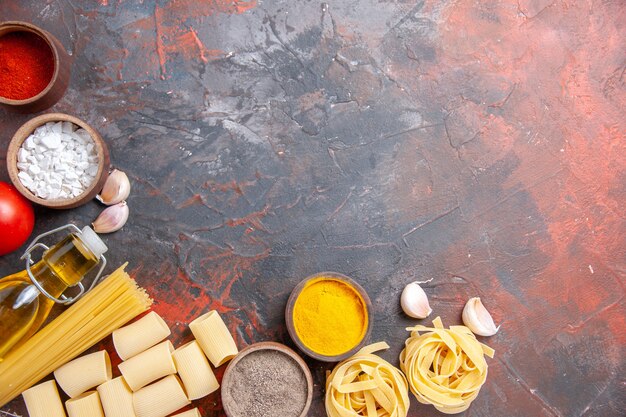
444 367
367 385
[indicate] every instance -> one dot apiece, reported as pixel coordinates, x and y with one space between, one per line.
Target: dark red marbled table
480 144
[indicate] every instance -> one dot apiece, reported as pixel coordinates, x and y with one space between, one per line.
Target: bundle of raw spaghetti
445 367
112 303
367 385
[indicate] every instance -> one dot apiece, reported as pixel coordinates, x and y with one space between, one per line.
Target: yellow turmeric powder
330 317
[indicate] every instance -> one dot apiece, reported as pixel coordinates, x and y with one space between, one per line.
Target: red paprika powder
26 65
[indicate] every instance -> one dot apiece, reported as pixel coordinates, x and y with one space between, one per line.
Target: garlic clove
116 188
477 318
112 218
414 301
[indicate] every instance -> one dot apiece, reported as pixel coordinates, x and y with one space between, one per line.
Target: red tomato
17 218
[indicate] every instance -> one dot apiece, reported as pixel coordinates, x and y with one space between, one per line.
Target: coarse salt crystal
25 178
76 137
30 143
52 141
21 155
34 170
83 134
85 181
92 170
40 131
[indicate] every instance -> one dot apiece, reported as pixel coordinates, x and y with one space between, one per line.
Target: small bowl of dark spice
58 161
267 379
34 68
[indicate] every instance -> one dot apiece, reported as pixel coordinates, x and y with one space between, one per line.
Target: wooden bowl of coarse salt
58 161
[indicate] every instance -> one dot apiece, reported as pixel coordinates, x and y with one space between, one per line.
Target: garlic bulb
116 188
478 319
414 301
112 218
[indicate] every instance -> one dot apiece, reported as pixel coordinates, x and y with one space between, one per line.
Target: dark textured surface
480 144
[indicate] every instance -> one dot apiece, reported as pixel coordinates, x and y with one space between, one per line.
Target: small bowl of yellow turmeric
328 316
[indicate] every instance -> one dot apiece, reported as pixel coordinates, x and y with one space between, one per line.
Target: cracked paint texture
480 144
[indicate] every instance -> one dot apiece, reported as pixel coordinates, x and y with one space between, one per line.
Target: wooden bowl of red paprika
34 68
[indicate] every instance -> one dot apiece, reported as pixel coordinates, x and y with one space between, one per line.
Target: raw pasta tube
85 405
189 413
111 304
148 366
214 338
43 400
116 398
83 373
140 335
195 371
161 398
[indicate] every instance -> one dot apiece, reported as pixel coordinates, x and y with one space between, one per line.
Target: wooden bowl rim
291 327
49 38
255 347
27 129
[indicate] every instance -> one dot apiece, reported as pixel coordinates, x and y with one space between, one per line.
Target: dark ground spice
267 383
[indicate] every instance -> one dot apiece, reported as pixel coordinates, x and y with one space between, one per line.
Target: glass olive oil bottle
27 297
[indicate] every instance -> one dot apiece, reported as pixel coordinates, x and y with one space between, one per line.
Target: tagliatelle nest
444 367
367 385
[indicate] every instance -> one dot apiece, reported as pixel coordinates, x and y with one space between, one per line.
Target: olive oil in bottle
24 306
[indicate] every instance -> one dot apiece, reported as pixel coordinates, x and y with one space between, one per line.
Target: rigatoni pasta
111 304
85 405
148 366
141 335
161 398
214 338
195 371
189 413
43 400
116 398
83 373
